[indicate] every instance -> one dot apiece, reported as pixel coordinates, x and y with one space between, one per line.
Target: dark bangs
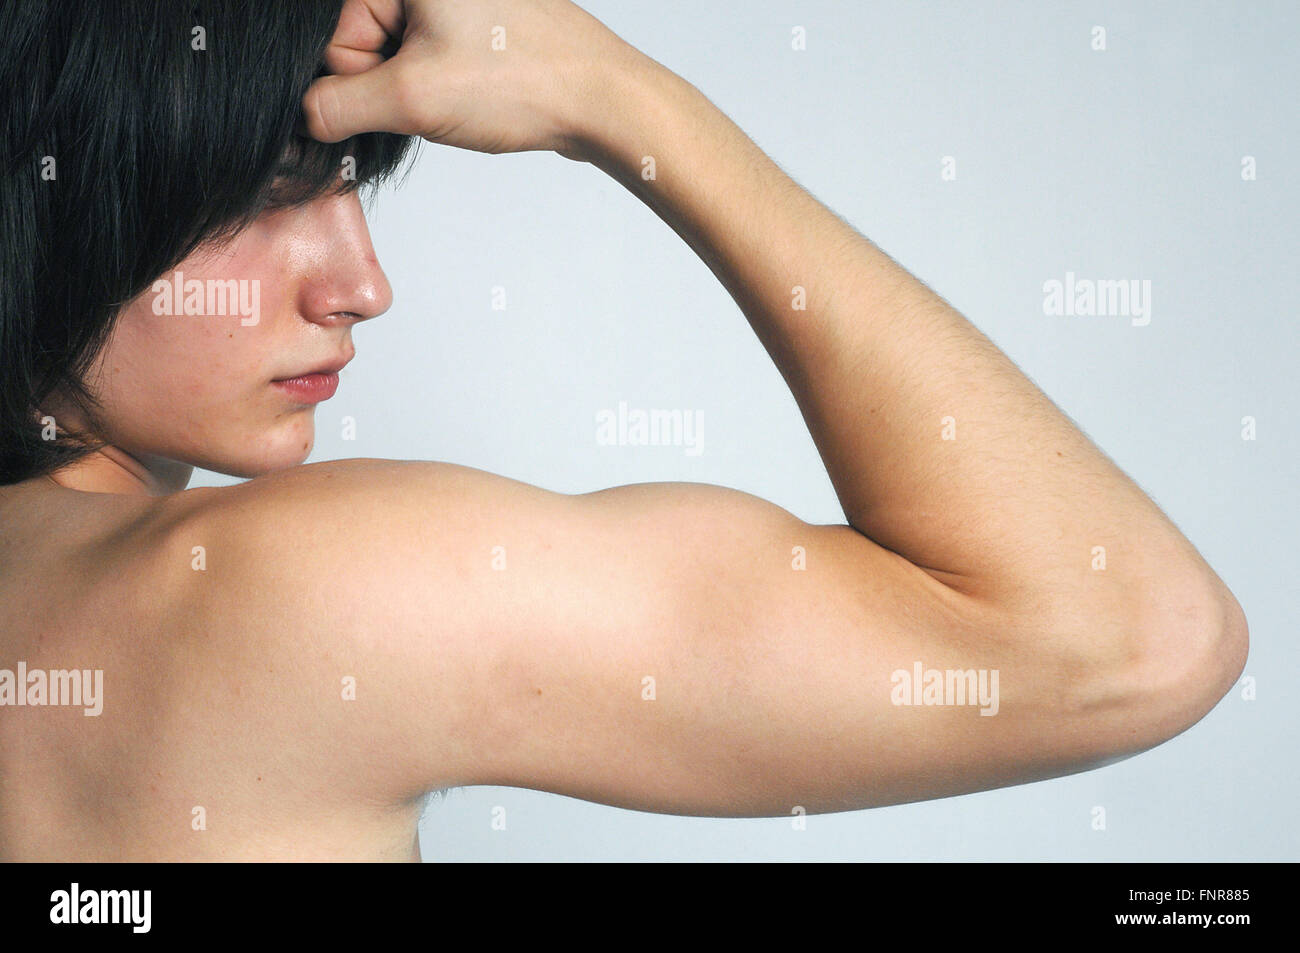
308 169
217 137
131 133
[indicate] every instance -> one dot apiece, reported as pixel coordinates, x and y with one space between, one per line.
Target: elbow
1188 650
1233 648
1167 662
1205 651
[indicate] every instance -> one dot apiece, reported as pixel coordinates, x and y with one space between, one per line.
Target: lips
329 367
310 388
315 385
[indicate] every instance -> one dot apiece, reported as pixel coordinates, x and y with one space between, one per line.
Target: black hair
133 132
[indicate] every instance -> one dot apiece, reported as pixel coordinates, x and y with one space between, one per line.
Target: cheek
169 358
178 357
197 386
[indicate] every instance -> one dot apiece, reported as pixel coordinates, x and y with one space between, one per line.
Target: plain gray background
1118 164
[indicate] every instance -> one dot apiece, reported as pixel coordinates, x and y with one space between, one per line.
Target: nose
346 285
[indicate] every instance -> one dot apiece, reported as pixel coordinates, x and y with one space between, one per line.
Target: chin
279 449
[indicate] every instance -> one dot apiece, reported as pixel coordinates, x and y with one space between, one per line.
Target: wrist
625 99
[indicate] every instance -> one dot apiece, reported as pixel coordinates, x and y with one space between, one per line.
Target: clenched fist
486 75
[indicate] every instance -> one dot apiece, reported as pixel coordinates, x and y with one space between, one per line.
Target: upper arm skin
651 646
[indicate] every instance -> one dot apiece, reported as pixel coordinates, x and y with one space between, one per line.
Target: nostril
341 317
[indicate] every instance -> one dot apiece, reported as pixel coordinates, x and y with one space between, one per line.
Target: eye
278 196
287 187
301 174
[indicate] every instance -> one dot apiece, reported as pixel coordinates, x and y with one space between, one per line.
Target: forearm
938 446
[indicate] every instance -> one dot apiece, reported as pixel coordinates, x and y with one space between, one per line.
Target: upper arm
670 647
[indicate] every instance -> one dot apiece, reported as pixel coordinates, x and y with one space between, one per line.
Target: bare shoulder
320 605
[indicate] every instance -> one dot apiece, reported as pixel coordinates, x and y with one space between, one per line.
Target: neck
111 470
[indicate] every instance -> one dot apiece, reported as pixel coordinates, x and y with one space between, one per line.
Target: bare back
198 750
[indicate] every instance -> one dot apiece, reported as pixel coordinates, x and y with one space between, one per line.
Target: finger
337 107
345 60
369 25
368 31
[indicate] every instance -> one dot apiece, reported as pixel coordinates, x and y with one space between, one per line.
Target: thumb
337 107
